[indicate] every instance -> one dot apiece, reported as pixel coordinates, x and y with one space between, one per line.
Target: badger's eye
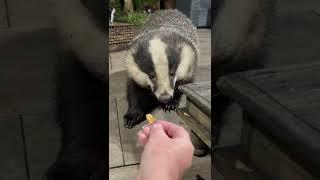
152 76
172 74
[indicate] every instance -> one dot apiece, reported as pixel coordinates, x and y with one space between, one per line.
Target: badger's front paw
133 117
171 106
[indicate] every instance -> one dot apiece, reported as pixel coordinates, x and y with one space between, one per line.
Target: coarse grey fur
162 57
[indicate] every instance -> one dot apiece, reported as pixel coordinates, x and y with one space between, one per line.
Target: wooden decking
124 153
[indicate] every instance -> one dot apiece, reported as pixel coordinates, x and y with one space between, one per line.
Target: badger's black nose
165 98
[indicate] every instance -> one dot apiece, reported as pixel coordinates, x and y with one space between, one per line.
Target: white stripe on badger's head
135 72
157 49
186 67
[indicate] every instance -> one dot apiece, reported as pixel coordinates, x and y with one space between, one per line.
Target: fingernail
155 125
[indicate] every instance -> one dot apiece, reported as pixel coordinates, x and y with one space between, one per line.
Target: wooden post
128 6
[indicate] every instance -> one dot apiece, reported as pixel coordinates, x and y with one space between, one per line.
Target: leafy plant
115 4
136 18
139 4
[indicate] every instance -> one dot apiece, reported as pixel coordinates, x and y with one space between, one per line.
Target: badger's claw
132 118
171 106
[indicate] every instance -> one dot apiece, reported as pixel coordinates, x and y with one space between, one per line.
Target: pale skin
167 152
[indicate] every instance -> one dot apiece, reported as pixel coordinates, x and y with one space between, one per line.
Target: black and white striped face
159 64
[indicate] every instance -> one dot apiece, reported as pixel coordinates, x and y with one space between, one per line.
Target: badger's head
160 64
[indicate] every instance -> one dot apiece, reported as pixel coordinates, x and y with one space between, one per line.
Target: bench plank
284 102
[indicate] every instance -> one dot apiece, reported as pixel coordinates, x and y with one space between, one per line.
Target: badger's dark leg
135 113
140 102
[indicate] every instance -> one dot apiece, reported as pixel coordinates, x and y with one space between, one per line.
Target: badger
162 57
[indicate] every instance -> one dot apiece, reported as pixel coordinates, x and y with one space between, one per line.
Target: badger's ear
135 73
186 67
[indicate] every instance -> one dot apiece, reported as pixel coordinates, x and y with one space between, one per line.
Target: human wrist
161 166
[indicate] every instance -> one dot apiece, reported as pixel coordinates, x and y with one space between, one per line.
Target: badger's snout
165 98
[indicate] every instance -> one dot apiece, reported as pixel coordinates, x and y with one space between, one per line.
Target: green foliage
136 18
139 4
115 4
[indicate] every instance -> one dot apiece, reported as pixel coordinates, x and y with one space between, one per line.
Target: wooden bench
281 115
197 114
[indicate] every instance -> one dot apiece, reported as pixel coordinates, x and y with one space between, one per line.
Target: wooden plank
123 173
271 114
205 46
131 151
295 88
12 164
203 73
201 168
115 149
200 94
43 142
3 15
203 132
117 84
204 32
118 60
198 114
110 63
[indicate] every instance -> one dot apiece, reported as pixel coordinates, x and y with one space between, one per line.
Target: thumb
157 130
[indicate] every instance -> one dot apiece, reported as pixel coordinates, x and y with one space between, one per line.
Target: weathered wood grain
123 173
200 94
118 84
131 151
196 112
201 166
284 102
115 148
118 60
203 132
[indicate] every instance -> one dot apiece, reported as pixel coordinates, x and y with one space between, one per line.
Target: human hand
168 151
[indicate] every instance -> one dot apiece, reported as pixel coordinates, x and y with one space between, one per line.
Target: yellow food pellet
150 119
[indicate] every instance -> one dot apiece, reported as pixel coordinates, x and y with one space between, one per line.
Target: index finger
173 130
